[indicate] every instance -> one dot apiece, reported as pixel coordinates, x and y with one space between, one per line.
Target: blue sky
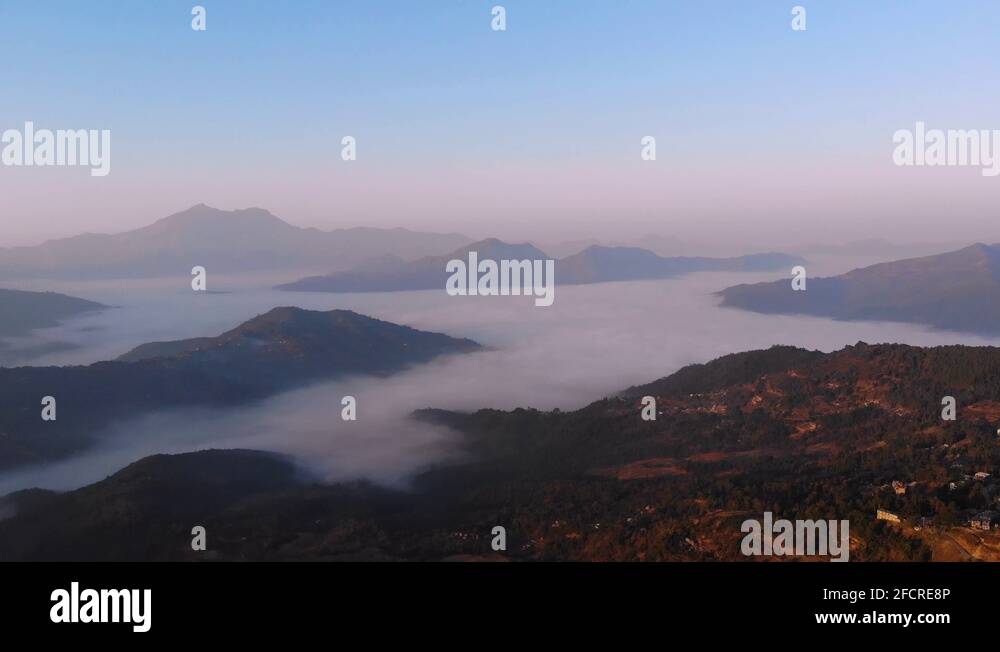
251 111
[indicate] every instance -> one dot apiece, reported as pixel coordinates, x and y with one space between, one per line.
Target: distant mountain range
222 241
804 434
279 350
22 312
602 264
664 245
595 264
875 247
959 290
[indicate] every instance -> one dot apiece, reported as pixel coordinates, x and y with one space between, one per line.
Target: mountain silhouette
595 264
599 264
245 240
22 312
282 349
425 274
958 290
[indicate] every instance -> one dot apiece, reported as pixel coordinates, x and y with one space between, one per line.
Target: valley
798 432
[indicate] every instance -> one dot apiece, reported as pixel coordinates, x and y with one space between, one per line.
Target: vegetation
801 434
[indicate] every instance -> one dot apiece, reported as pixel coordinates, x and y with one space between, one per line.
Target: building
985 521
884 515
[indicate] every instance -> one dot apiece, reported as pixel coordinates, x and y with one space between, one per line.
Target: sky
765 135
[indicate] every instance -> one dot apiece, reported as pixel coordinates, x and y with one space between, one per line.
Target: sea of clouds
593 342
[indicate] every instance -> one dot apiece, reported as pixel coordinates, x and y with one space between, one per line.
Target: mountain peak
496 249
286 314
203 213
228 241
290 331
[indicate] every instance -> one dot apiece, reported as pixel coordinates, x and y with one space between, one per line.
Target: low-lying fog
594 341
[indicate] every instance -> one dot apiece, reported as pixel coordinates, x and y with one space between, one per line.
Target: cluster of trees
551 479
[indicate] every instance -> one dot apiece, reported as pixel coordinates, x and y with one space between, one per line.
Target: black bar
190 600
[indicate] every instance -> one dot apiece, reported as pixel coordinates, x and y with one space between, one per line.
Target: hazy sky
764 134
